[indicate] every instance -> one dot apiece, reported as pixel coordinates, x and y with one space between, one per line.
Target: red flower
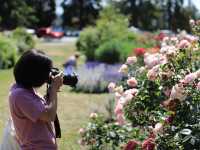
148 144
131 145
139 51
160 36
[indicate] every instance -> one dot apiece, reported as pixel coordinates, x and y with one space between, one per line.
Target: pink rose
132 82
131 60
153 73
124 69
117 96
151 61
132 91
178 92
118 108
158 128
81 131
190 78
192 22
198 86
120 119
81 142
93 115
191 38
119 89
111 87
183 44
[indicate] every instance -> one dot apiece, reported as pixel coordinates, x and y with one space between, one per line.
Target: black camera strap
57 127
56 121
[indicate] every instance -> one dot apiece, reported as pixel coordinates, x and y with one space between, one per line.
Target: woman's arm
51 108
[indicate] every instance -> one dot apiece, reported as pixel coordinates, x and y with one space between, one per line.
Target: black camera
70 79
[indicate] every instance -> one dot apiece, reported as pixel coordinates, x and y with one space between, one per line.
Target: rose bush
158 104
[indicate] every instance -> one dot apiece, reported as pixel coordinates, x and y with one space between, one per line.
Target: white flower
131 60
124 69
111 86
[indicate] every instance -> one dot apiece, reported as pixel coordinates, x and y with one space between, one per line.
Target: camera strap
56 121
57 127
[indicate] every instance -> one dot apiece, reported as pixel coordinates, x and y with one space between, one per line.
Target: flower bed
157 105
94 77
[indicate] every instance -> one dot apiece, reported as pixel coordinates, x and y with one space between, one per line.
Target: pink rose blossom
153 73
126 98
198 86
81 131
190 78
132 91
120 119
119 89
111 87
118 108
183 44
191 38
132 82
131 60
192 22
81 142
178 92
93 115
117 96
124 69
158 128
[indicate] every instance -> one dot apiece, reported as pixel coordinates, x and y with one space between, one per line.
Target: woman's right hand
57 81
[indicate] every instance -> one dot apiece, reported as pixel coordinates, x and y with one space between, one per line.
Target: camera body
70 79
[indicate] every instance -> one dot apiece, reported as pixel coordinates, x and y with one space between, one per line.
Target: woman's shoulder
17 91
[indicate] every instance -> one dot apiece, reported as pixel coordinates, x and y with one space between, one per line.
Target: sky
59 9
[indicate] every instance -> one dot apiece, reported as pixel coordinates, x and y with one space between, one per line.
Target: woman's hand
57 81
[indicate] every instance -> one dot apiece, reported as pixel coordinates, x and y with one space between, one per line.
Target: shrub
159 101
88 42
24 40
8 53
109 52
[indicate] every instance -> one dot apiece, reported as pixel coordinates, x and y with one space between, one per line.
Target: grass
73 108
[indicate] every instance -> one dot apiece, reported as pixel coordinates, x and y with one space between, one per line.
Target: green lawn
73 108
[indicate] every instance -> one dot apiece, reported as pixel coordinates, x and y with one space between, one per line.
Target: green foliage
109 36
80 13
101 135
43 11
109 52
23 40
15 13
151 13
8 53
88 42
162 99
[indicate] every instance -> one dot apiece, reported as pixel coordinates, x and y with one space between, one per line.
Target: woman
32 115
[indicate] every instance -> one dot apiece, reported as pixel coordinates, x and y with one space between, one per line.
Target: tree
156 14
44 11
79 13
15 13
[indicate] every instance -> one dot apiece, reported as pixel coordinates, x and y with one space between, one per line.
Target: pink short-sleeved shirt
26 107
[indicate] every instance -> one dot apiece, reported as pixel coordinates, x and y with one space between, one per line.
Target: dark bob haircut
32 69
